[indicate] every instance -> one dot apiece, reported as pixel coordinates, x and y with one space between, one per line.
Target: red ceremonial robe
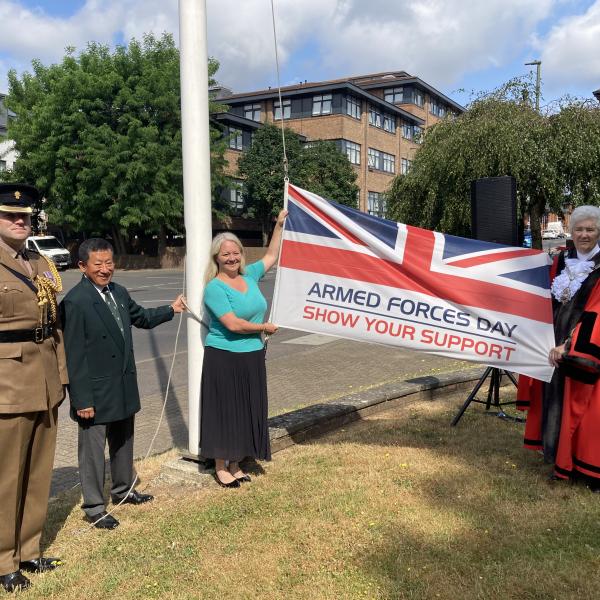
579 439
579 442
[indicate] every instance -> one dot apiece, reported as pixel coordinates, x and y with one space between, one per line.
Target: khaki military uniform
32 375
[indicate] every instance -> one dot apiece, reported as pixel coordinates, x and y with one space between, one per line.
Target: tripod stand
495 375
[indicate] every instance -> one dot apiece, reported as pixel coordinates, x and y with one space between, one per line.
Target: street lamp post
538 81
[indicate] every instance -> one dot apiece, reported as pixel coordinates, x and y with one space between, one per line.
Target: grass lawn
398 505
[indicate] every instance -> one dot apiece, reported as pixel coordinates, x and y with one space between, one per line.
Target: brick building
377 120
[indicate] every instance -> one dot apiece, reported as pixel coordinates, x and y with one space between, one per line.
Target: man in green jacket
98 316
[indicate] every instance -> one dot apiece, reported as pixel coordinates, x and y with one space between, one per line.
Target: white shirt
590 254
99 289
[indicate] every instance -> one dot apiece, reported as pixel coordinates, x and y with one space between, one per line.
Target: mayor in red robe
563 418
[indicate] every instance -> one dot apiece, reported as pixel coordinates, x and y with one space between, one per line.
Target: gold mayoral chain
48 287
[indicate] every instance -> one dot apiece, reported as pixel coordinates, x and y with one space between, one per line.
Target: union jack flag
326 243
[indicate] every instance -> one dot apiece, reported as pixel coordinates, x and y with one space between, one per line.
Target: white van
556 227
49 246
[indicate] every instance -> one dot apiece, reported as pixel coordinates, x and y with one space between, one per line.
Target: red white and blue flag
345 273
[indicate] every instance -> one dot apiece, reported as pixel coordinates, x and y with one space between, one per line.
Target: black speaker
494 210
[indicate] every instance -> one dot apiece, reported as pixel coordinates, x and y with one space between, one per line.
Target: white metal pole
196 187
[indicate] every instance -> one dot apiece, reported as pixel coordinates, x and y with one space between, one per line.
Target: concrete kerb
306 423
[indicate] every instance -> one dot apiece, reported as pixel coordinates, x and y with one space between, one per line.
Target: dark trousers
91 443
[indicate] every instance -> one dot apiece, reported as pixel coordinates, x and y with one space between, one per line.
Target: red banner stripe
414 276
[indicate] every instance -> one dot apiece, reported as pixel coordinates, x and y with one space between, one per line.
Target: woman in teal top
234 384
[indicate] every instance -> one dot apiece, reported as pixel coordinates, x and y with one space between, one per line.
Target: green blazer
100 360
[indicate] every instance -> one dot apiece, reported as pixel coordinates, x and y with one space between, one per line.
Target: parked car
49 246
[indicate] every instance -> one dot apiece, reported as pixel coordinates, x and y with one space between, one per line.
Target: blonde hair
212 269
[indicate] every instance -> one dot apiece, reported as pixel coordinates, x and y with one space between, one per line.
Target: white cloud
571 52
240 36
438 40
27 34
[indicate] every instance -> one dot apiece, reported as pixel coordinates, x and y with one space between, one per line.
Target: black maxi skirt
233 421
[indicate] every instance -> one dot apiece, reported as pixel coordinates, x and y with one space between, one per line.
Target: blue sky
457 46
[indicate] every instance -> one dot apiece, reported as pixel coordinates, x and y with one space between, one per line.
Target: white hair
212 269
582 213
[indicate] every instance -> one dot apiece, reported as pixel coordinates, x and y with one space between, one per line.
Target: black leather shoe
106 521
40 565
14 581
232 484
244 479
134 498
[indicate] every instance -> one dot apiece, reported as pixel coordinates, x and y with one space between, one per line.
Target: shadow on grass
490 525
60 507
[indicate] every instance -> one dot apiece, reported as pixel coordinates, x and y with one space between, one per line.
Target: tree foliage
318 167
100 135
554 157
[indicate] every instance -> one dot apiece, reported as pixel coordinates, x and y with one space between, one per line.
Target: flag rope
285 159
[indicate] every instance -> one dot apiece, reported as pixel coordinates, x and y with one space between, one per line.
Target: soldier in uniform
32 375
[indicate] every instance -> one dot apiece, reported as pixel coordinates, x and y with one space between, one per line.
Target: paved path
302 370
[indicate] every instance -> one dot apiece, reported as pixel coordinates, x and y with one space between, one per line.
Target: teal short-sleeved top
219 299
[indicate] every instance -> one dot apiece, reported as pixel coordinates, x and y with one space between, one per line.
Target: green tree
551 156
100 135
318 167
327 172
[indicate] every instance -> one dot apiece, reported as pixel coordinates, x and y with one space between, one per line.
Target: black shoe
232 484
244 479
103 520
40 565
134 498
594 488
14 581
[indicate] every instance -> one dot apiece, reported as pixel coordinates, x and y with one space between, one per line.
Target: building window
382 161
2 165
405 166
287 110
375 117
407 131
437 108
417 134
418 98
236 201
352 151
389 123
394 95
321 105
382 120
236 139
252 112
374 159
388 163
376 204
353 107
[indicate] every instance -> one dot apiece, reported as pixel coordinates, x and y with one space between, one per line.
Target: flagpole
276 287
195 135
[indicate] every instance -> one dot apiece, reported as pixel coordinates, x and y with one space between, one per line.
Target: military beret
18 197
